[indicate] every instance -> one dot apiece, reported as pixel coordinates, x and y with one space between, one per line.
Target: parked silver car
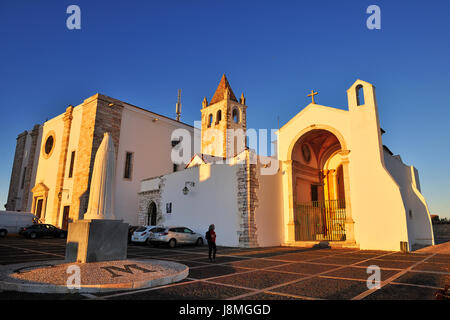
142 234
174 236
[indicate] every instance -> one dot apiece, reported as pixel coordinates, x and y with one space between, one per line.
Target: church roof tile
219 95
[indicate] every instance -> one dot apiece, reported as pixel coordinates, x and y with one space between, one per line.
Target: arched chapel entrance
319 190
151 214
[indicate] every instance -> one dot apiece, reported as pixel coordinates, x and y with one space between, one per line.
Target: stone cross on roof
312 94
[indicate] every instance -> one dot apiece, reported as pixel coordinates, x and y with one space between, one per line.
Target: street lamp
185 189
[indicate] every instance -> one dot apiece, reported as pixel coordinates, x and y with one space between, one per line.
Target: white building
335 183
333 180
53 163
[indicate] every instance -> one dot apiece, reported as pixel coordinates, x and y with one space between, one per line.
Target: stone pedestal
96 240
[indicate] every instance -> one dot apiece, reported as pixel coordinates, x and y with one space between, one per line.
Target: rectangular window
72 160
23 177
128 165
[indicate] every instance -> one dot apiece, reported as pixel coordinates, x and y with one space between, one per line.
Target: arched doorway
318 187
151 214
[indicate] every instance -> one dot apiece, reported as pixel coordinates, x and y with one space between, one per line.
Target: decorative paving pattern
258 279
280 273
52 277
325 288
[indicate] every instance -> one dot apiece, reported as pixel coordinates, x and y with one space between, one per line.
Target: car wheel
33 235
199 242
3 233
172 243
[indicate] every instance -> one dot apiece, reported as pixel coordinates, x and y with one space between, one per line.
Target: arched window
218 116
359 95
210 120
235 115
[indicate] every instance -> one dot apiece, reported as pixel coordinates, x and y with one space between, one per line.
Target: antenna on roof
178 109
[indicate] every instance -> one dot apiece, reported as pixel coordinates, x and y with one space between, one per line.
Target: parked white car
174 236
141 234
13 221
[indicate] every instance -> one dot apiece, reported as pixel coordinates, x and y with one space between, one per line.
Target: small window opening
359 95
128 165
235 115
218 116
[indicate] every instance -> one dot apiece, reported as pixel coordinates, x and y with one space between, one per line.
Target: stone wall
145 198
100 114
30 167
247 203
441 232
14 184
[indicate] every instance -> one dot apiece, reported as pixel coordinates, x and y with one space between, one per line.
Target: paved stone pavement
260 274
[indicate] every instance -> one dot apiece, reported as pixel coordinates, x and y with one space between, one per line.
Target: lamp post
186 189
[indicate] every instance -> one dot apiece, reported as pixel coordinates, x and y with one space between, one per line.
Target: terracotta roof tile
220 91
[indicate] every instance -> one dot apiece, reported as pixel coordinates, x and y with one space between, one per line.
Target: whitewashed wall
150 141
377 206
213 200
47 169
269 214
420 229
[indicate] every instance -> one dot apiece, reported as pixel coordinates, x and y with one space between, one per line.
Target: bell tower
224 123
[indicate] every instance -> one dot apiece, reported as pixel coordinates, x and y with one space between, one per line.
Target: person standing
211 238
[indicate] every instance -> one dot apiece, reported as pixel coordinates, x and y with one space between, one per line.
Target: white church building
332 180
53 163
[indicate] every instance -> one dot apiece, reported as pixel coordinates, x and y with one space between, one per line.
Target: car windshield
140 229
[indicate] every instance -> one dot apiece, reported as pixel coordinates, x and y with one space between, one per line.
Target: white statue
101 195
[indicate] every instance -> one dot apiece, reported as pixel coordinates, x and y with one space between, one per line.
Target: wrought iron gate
320 220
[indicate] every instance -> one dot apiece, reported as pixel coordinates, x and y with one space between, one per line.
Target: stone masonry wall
247 203
145 198
14 184
100 114
441 232
30 167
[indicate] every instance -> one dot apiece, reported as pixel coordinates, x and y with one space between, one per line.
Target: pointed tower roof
221 90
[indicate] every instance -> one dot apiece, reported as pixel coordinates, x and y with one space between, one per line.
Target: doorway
65 222
318 187
39 205
151 214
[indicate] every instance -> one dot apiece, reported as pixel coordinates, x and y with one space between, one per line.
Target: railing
320 220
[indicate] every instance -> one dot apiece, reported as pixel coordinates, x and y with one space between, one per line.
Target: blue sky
141 52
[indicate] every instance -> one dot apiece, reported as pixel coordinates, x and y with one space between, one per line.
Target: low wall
441 232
